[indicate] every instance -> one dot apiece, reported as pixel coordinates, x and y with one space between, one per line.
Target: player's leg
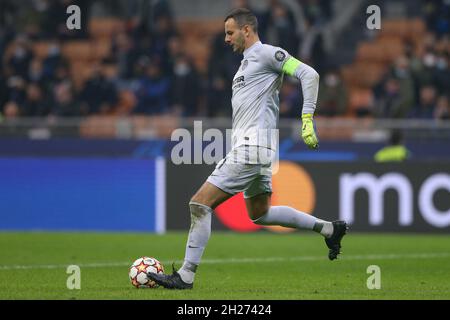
201 208
262 213
210 195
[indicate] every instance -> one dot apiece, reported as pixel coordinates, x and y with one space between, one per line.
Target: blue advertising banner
96 194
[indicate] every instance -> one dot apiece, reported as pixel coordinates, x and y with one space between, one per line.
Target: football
140 268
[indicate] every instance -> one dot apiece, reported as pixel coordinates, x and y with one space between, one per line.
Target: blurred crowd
160 78
418 84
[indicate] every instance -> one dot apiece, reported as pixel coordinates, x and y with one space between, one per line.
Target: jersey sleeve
275 58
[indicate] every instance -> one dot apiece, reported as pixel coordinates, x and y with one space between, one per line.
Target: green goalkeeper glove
308 133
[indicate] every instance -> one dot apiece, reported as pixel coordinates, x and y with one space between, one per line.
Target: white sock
289 217
325 228
198 238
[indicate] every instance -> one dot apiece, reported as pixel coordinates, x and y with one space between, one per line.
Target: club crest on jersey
280 55
244 65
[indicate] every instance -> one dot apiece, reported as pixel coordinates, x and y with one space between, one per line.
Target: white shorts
242 170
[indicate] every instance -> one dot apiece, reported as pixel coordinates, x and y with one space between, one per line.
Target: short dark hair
243 17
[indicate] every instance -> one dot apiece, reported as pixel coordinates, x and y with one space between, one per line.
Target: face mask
182 69
331 80
429 60
53 51
401 73
281 22
441 64
20 52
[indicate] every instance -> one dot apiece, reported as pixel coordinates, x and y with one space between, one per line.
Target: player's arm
281 62
309 79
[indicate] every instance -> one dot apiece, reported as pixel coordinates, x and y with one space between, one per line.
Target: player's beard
239 45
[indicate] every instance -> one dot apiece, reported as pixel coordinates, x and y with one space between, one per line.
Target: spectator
317 12
425 70
222 66
281 28
64 103
152 91
163 31
125 54
427 104
175 49
290 99
36 72
21 58
35 104
442 111
395 93
395 151
389 99
185 87
53 60
99 95
437 15
11 110
16 87
332 100
61 74
54 18
443 72
3 91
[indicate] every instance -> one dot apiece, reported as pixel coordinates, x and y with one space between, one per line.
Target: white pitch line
392 256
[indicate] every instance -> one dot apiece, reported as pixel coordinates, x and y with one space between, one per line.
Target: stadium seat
359 98
110 70
392 47
98 127
127 101
370 51
373 58
101 48
40 49
363 74
396 27
161 126
78 50
383 50
417 30
197 36
80 71
104 27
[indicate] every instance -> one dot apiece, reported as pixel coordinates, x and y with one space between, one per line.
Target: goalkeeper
247 167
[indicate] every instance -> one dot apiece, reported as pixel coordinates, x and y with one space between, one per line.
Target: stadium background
87 115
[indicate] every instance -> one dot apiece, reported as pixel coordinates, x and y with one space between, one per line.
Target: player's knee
199 209
256 214
198 199
194 199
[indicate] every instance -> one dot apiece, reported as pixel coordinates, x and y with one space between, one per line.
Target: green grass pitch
254 266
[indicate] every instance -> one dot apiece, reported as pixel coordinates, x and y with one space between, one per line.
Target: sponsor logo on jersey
239 82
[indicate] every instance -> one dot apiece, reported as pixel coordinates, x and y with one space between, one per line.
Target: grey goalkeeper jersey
255 98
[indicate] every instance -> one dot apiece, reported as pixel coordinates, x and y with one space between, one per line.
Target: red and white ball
140 268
